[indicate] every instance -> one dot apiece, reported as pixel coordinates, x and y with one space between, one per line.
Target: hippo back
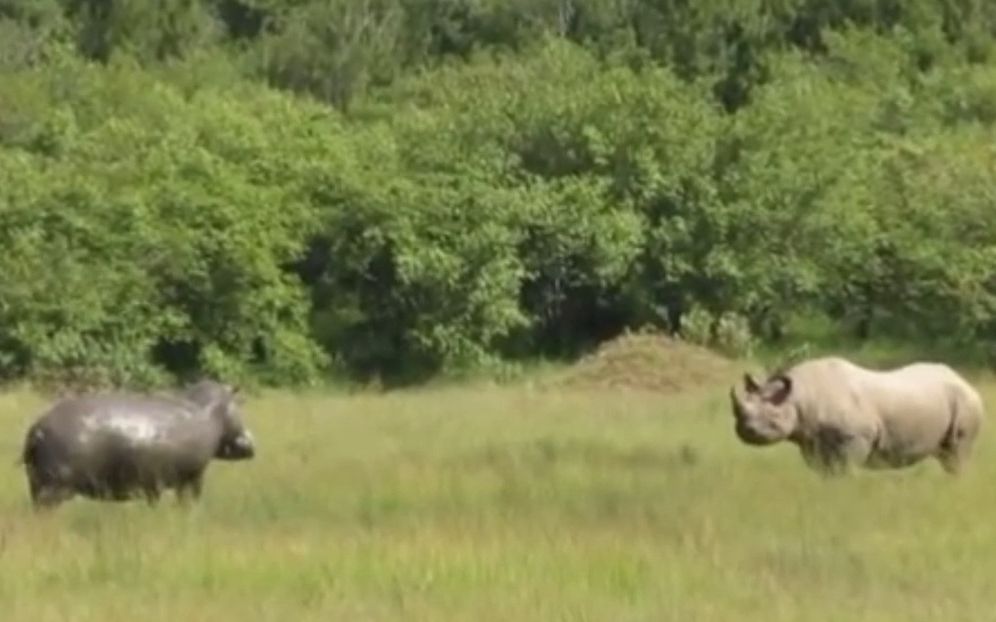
97 423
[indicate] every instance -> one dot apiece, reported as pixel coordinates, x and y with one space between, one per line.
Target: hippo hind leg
47 495
47 492
42 467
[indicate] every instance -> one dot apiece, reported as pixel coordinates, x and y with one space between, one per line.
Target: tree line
288 190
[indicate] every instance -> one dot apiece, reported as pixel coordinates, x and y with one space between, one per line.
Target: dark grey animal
117 447
841 415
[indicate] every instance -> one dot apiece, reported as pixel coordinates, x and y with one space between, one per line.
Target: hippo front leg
152 494
189 490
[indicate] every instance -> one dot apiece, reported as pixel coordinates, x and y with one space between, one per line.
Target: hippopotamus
122 446
841 415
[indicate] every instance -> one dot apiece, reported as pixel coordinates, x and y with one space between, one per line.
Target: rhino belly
893 459
908 442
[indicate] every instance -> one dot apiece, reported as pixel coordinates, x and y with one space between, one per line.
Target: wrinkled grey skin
841 415
117 447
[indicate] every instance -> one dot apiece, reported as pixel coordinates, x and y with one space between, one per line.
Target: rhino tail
967 415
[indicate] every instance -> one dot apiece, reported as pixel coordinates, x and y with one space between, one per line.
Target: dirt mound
649 362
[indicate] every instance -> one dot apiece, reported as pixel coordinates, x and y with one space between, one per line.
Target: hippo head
236 442
765 413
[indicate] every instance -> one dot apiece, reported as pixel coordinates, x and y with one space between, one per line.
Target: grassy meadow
508 503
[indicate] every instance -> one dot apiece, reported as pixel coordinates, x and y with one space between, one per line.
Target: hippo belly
121 469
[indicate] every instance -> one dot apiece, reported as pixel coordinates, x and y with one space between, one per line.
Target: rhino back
910 408
918 402
828 392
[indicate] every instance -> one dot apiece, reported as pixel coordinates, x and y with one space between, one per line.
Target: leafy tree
333 49
170 29
145 231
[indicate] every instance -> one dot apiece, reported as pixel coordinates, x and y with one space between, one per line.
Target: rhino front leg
827 461
858 450
834 453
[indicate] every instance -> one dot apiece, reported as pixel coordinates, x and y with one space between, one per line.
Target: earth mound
649 362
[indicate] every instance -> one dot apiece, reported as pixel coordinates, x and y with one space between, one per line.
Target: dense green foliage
286 189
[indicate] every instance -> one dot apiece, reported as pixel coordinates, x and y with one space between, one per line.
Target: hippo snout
242 447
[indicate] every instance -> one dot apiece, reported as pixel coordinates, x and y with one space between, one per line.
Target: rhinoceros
842 415
121 446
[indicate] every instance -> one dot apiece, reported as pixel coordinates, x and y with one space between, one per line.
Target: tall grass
507 504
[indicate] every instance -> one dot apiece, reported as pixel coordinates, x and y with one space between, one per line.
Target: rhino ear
781 389
750 384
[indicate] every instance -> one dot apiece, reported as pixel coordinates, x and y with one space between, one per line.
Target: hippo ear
781 389
750 384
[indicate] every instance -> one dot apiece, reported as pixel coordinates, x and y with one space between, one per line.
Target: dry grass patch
649 362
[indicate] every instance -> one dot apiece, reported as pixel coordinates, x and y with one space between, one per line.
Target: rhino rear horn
750 383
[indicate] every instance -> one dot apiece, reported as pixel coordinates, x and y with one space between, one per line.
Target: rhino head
764 413
237 442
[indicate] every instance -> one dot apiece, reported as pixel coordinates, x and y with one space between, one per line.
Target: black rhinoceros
116 447
840 414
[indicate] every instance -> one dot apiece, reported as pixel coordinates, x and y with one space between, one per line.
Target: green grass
507 504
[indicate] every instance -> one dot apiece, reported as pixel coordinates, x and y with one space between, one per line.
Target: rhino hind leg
958 443
953 458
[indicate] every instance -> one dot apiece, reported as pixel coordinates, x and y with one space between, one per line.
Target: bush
503 181
146 231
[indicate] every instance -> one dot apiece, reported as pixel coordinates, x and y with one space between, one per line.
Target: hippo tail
32 447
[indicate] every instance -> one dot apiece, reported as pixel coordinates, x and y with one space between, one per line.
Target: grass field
513 503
